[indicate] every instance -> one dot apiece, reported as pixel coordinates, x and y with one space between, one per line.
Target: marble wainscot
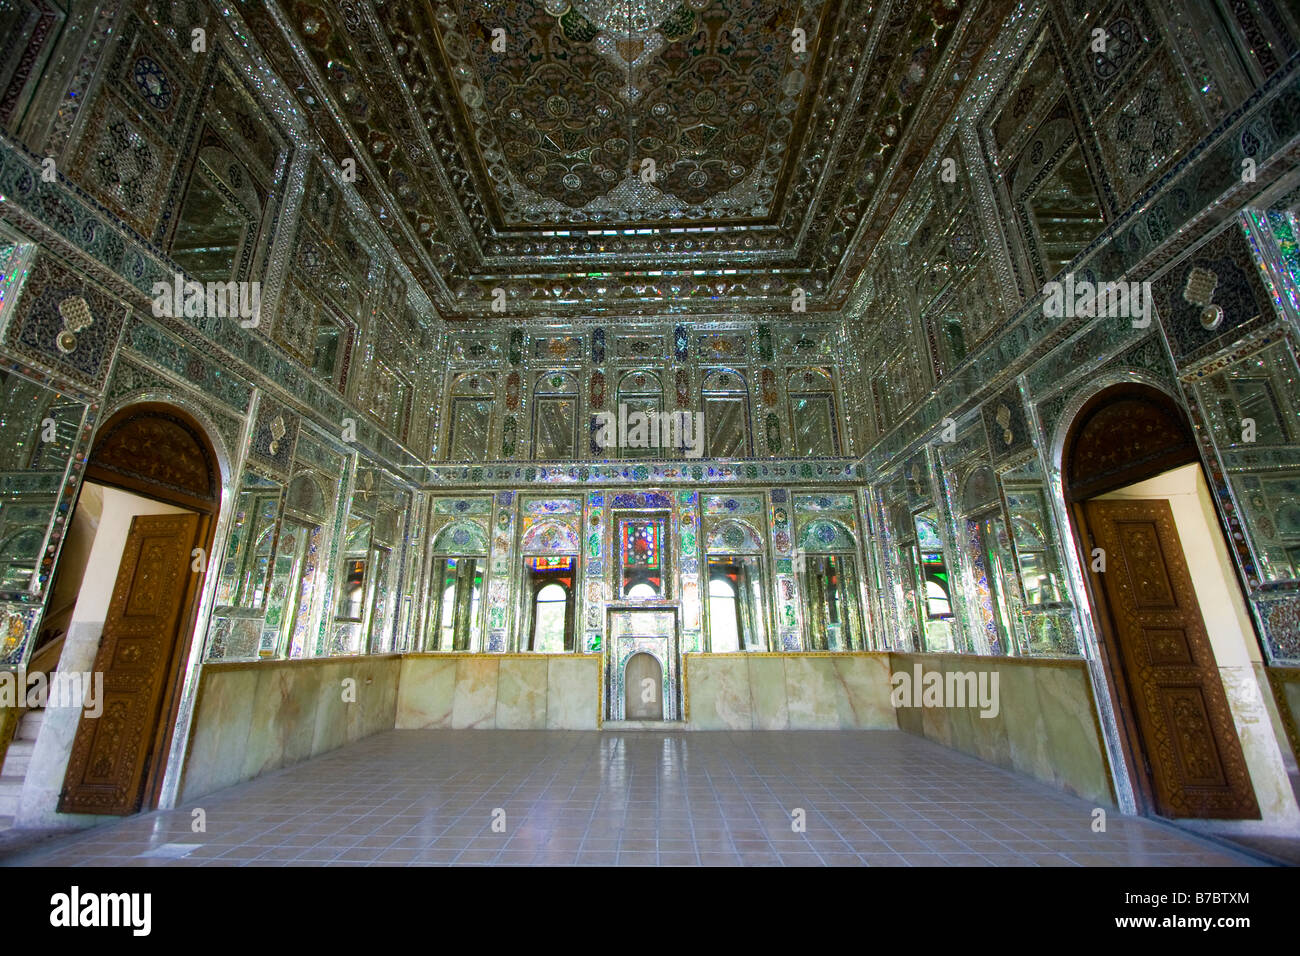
499 692
1045 724
811 691
258 716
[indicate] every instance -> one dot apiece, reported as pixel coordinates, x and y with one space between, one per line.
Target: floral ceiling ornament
551 134
1003 417
1199 290
76 319
278 431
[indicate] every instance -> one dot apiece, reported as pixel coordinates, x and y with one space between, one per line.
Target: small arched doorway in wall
1124 451
643 688
159 483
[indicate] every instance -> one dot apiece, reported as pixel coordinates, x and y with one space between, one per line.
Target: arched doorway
643 688
160 484
1177 729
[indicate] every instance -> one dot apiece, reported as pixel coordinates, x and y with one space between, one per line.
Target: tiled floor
635 798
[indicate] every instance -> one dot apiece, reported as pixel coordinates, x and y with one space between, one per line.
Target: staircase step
11 788
661 725
18 758
30 725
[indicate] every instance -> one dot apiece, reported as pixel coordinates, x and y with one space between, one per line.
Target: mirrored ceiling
598 156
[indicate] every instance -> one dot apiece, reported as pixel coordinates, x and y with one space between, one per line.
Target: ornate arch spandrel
1123 435
159 451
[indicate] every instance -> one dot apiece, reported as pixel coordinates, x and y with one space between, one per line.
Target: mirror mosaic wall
405 468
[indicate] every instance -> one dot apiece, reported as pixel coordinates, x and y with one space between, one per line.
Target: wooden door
109 765
1177 707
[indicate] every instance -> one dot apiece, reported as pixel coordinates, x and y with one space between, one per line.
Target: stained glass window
550 610
641 544
641 559
550 579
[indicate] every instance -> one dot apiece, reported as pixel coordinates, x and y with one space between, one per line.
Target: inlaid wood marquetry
107 769
1128 434
1176 699
158 452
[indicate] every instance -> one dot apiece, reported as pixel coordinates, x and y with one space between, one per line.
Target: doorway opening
643 685
1157 572
131 588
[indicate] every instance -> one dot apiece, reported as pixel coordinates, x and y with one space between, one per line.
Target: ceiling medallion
628 36
75 312
278 431
1199 290
1200 285
1004 420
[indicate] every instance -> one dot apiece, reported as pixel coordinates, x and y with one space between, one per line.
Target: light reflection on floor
636 798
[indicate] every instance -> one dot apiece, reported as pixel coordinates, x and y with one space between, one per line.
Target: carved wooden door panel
108 766
1181 713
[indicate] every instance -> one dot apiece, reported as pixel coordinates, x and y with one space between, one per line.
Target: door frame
1116 680
207 508
666 649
